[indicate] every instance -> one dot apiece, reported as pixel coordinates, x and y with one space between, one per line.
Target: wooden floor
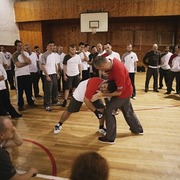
153 156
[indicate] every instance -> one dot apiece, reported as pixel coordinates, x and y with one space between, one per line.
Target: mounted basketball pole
94 22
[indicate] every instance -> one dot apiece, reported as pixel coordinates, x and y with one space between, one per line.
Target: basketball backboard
94 22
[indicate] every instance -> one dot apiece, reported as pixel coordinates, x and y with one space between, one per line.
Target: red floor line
53 162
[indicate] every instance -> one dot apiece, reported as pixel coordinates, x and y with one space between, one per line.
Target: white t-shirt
165 60
7 56
2 58
129 59
85 64
61 59
176 64
2 73
114 55
33 66
72 64
22 70
79 92
49 59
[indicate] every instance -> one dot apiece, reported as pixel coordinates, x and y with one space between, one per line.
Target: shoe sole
106 142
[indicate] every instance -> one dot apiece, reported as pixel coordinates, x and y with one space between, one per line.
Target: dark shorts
72 82
75 106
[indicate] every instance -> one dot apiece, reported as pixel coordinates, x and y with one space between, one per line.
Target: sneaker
48 108
64 103
115 112
57 104
134 97
16 116
138 133
57 129
105 140
102 131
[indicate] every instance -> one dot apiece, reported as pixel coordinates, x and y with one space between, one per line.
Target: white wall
8 29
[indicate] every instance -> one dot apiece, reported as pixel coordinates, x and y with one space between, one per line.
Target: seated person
83 93
10 138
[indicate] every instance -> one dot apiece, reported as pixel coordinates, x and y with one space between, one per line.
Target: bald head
155 47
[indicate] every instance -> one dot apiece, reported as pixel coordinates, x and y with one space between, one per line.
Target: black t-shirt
7 170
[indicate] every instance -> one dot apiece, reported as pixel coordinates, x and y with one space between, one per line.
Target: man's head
72 49
166 49
27 48
108 47
108 87
18 45
90 166
60 49
81 46
36 49
155 47
99 47
177 49
50 46
102 63
129 47
6 129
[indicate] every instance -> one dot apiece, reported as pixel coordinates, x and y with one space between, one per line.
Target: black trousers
132 77
152 72
24 83
163 74
10 78
5 104
34 79
173 75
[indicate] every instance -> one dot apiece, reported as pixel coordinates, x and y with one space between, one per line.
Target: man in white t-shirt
50 70
164 67
60 67
33 70
109 53
21 61
72 72
129 59
8 67
84 55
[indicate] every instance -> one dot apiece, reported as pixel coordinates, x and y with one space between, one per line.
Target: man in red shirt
117 72
83 93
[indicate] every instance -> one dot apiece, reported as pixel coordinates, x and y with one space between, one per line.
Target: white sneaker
48 108
102 131
134 97
115 112
57 129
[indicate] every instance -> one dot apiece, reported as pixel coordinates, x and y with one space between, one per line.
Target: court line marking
44 176
53 162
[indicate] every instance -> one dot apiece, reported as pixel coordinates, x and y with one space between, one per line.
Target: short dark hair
111 86
99 60
90 166
16 42
81 44
36 47
49 42
106 43
72 45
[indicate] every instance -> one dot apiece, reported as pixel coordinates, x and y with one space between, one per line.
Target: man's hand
98 114
96 96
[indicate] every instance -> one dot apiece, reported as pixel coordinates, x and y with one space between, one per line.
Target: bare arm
99 95
26 176
80 70
15 141
45 72
89 104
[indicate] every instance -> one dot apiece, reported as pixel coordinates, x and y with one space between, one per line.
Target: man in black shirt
152 59
10 138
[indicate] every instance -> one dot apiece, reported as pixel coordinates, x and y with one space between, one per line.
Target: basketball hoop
93 25
94 30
